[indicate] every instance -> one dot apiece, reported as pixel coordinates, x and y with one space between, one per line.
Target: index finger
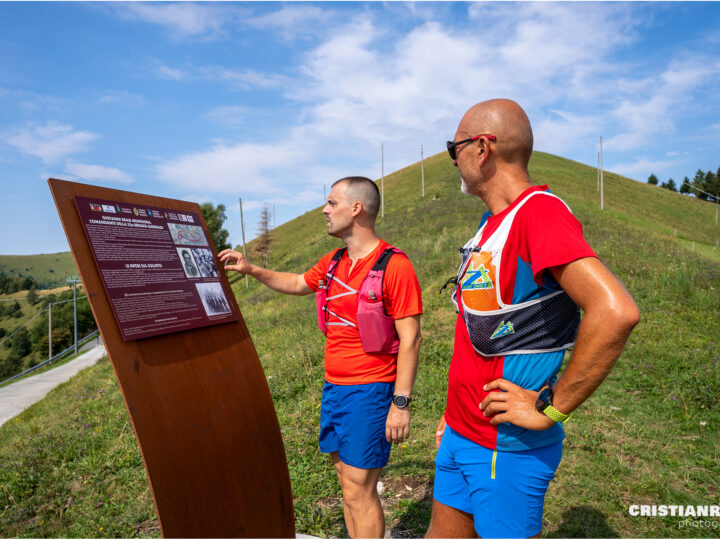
500 384
226 254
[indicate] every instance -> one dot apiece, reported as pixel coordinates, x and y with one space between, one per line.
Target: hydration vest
544 324
377 329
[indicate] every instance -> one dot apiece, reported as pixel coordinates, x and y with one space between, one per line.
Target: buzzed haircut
360 188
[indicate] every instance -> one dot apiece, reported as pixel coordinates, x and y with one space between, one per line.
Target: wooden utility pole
74 280
602 187
422 170
242 226
382 180
49 330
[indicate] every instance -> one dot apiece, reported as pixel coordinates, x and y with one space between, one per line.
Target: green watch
545 406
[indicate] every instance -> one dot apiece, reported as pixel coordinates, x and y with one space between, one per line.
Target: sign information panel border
157 267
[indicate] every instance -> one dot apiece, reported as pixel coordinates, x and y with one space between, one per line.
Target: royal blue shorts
352 423
504 491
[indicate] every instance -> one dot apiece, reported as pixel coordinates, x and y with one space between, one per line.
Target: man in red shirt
523 279
366 394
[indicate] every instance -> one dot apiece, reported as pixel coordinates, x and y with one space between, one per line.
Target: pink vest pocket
377 330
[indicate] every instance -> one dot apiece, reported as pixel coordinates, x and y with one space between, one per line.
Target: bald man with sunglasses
523 279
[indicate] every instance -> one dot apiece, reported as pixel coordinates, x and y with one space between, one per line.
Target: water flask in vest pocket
320 302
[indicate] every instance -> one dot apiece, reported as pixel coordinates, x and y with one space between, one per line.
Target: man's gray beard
463 186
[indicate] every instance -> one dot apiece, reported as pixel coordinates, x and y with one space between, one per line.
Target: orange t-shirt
345 360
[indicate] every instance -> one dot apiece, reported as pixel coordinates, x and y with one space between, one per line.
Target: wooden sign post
193 386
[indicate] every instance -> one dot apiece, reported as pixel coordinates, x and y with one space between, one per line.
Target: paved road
18 396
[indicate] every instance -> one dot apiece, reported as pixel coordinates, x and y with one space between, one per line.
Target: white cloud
653 113
637 169
173 74
50 142
293 20
563 130
243 78
98 173
240 78
231 168
121 96
232 115
366 83
183 19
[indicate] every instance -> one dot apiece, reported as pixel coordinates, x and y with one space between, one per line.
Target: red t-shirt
345 360
544 234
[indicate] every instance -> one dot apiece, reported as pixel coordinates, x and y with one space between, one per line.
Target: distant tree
20 347
685 187
712 184
15 310
699 183
215 218
3 332
670 184
32 296
652 179
62 339
262 243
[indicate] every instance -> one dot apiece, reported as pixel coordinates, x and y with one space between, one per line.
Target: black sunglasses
452 146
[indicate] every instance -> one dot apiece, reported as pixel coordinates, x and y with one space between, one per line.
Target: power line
35 317
23 326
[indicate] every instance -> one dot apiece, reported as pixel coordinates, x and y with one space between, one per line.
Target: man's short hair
360 188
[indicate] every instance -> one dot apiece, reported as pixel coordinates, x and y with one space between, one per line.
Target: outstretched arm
397 426
284 282
610 314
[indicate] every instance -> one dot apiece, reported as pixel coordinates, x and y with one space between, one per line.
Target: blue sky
271 101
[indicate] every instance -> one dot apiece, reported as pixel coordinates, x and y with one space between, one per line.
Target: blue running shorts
504 491
352 423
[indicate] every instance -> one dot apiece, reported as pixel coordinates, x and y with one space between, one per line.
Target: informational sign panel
195 391
157 267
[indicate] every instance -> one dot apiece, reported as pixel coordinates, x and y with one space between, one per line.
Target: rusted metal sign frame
199 404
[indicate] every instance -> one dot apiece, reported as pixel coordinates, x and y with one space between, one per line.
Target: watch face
400 401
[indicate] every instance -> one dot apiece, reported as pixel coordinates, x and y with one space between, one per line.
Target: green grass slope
647 436
48 270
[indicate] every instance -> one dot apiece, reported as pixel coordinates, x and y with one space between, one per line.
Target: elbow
627 314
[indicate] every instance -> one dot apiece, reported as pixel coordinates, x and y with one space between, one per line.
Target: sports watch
401 401
544 404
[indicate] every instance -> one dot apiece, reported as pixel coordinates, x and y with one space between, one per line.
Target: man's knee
358 485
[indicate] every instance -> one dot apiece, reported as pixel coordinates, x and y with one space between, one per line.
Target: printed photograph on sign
187 235
213 298
206 262
189 266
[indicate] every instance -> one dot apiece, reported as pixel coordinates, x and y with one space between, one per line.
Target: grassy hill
647 436
48 270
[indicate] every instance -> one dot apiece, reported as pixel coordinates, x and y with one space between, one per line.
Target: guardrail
56 357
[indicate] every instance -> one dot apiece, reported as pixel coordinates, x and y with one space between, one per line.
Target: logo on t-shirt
477 277
505 329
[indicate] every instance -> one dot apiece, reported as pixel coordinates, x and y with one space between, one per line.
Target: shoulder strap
332 266
384 258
